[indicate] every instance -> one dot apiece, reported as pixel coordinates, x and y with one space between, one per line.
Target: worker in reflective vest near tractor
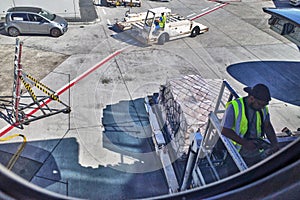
162 21
160 24
247 121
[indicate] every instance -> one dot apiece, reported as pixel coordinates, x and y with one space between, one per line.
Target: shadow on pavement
282 4
282 77
54 164
124 124
87 12
59 171
126 36
127 132
27 166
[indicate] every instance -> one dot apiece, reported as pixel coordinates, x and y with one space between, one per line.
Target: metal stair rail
211 136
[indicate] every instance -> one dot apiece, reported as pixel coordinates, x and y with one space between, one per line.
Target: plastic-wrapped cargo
185 104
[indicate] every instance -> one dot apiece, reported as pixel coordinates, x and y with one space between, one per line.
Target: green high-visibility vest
240 125
162 21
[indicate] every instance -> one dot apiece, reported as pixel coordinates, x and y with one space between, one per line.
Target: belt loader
185 118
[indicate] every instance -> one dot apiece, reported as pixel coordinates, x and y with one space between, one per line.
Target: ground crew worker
160 23
246 119
162 20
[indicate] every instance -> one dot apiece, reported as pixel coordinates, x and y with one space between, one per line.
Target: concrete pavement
102 150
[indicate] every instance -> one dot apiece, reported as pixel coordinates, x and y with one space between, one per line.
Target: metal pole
17 81
193 151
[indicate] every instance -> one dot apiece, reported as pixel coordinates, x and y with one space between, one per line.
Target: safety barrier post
17 81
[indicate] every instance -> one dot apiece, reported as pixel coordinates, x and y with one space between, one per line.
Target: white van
295 2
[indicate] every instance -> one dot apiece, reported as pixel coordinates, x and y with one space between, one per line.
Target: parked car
34 20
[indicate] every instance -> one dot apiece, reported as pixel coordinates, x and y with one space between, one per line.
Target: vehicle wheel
162 39
55 32
14 32
195 31
66 111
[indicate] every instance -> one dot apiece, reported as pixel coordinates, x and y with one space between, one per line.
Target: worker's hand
271 150
249 144
274 148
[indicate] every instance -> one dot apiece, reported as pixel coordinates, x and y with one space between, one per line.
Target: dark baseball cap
259 91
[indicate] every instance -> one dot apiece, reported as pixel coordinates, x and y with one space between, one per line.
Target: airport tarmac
102 149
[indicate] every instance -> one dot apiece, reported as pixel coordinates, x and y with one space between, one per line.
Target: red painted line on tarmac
209 11
85 74
65 88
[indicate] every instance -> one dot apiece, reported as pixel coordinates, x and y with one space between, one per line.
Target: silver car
33 20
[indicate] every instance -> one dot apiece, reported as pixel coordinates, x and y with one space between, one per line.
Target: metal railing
211 136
